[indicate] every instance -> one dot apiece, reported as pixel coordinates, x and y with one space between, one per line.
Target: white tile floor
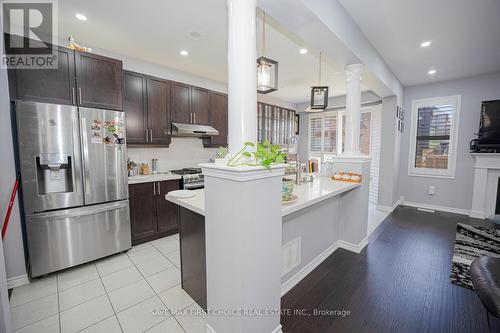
116 294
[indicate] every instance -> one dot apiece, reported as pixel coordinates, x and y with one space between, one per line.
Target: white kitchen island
326 216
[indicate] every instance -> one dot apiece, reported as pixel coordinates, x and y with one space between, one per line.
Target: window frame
449 173
339 113
321 115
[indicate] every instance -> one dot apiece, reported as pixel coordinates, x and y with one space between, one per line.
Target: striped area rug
472 242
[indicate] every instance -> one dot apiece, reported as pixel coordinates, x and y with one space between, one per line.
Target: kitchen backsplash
182 153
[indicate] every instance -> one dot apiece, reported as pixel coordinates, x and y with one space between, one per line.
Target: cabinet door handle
73 97
154 188
146 130
159 189
80 95
194 118
150 135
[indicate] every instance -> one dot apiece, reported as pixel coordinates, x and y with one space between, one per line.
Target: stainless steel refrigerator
74 182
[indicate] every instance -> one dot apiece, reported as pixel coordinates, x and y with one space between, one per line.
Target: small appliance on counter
74 183
154 166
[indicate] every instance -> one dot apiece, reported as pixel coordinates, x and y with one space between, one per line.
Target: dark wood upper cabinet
180 111
218 120
166 211
158 92
200 106
142 211
135 107
46 85
99 81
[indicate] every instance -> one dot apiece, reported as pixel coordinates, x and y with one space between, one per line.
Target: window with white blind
323 136
326 134
433 141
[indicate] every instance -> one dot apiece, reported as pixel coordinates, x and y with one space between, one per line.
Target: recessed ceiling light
81 17
303 51
195 34
432 72
184 53
426 43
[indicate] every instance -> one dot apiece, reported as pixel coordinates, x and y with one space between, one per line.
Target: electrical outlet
432 190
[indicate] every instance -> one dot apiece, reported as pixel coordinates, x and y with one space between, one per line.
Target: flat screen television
489 125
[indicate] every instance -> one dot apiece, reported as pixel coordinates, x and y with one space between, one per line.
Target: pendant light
319 93
267 69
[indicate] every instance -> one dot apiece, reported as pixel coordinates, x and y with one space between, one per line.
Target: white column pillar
242 74
353 110
243 229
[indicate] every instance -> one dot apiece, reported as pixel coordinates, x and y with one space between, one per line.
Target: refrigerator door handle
87 210
85 149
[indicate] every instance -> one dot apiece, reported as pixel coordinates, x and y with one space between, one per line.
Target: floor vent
426 210
290 253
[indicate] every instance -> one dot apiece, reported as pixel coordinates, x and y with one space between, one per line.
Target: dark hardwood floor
398 283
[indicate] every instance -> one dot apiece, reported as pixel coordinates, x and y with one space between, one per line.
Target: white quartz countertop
153 178
308 194
196 203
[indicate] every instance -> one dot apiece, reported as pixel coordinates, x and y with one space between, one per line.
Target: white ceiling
465 36
157 32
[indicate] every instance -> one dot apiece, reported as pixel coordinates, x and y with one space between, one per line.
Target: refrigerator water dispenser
54 173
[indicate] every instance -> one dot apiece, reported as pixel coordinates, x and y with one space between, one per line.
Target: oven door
194 186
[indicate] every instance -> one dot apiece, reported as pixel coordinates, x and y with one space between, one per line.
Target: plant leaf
247 154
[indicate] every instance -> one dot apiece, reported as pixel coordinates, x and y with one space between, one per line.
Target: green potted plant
265 155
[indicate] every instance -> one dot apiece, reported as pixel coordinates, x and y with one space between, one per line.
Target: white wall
5 322
454 193
388 192
182 153
13 243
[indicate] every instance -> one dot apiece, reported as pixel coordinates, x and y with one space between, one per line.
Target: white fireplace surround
486 175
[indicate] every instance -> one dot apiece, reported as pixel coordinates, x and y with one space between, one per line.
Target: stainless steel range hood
191 130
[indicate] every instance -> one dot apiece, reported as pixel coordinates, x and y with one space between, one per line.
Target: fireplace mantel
486 175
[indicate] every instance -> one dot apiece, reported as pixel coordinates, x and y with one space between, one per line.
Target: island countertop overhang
308 194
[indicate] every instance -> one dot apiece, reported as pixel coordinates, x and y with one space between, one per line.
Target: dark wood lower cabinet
166 211
142 211
193 255
151 216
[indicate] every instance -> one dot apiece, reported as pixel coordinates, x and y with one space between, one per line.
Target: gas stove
192 178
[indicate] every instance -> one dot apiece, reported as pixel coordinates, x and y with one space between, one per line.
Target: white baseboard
356 248
389 209
435 207
304 271
17 281
476 214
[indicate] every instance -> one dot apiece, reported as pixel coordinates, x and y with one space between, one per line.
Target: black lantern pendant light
267 69
319 93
